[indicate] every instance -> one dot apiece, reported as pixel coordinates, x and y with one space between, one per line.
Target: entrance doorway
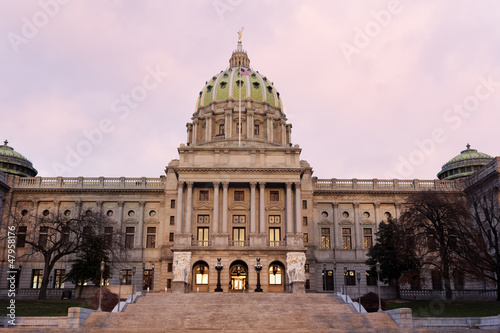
276 275
200 276
238 274
328 280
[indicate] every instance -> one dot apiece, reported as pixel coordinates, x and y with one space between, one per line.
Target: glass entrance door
238 277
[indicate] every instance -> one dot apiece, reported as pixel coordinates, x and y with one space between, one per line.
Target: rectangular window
367 238
151 237
203 195
129 237
147 279
239 195
346 238
108 236
21 236
59 275
127 277
65 235
308 284
256 130
169 283
275 195
304 220
239 236
351 278
240 219
169 267
437 280
43 237
304 204
274 236
204 219
306 237
306 268
238 128
202 236
274 219
36 278
371 279
172 220
171 237
172 203
325 238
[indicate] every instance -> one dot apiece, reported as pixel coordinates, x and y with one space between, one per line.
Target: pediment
238 207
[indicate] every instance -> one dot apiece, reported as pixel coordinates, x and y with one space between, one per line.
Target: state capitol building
237 196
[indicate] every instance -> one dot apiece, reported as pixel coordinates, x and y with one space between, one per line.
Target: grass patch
439 308
43 308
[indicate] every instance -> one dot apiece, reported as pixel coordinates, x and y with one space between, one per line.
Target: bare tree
434 218
51 237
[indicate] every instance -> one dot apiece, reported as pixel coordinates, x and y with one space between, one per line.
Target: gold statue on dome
239 35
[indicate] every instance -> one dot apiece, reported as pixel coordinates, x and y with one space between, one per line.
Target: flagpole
239 110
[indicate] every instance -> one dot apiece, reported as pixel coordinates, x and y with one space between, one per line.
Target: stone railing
424 294
384 184
200 243
276 243
90 183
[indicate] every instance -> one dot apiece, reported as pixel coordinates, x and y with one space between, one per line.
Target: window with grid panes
129 237
172 220
239 195
304 204
202 236
274 236
274 219
171 237
275 195
239 219
304 220
367 238
325 238
204 219
151 237
203 195
36 278
346 238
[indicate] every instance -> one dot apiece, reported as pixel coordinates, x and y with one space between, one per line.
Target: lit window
203 236
325 238
306 237
59 275
275 275
367 238
36 278
274 236
346 238
351 278
201 272
126 277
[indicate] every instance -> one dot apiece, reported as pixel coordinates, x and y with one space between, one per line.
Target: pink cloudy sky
374 89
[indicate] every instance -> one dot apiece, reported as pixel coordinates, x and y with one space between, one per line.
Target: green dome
465 164
14 163
226 85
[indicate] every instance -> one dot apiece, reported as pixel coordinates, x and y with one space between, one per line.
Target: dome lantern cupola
464 165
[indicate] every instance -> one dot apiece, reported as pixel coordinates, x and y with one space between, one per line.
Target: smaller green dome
464 164
14 163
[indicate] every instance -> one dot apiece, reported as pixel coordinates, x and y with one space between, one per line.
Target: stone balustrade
384 184
90 183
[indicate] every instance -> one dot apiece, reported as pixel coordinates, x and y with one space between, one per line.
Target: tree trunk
42 294
447 280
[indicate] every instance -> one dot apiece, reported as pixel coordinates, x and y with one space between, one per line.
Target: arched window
275 273
221 129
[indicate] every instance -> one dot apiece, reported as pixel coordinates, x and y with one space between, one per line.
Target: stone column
397 208
253 198
283 133
195 131
189 208
357 233
215 229
288 205
298 209
337 232
376 215
57 205
180 207
120 213
262 208
269 128
225 212
141 224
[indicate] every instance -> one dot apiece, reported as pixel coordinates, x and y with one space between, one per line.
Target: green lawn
38 308
439 308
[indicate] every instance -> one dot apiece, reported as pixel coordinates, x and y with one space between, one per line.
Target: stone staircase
252 312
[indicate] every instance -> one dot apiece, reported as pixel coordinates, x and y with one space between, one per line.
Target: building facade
238 211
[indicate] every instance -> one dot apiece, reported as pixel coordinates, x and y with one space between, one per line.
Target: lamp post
258 268
100 285
218 267
345 280
334 275
359 290
133 281
153 276
377 267
324 277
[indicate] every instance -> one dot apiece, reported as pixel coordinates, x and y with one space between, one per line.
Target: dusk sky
373 89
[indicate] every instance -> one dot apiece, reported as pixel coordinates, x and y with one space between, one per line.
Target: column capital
120 203
180 184
216 185
356 204
253 184
142 203
262 184
288 184
297 185
225 184
189 184
376 204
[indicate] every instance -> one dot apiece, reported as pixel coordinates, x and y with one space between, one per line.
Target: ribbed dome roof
239 81
464 164
14 163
